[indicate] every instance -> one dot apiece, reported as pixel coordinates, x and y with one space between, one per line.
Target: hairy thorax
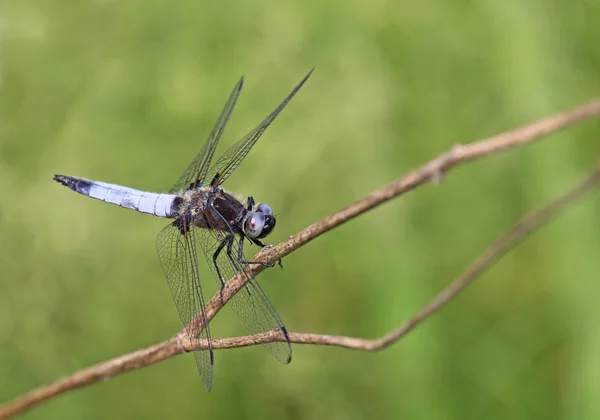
210 208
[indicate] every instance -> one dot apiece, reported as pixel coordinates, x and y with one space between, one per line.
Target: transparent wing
250 304
178 257
231 159
196 171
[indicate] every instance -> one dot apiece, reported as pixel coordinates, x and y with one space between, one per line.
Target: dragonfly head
260 222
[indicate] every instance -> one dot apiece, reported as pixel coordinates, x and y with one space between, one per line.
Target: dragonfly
207 217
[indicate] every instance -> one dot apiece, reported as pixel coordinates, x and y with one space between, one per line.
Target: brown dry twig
430 172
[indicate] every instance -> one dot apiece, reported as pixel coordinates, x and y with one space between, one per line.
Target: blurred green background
127 92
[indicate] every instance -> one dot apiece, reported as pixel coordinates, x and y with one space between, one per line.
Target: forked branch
430 172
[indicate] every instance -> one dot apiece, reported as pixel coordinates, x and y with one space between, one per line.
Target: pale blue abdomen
145 202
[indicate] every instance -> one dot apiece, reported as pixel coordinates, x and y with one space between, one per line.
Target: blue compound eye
254 224
265 209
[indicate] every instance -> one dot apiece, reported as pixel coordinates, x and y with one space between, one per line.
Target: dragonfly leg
260 244
227 241
229 252
243 259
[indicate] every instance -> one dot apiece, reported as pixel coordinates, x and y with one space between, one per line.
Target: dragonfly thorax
214 208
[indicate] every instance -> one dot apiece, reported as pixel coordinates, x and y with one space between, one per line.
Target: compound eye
255 224
265 209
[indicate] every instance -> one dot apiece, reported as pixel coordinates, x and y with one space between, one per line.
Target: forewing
231 159
178 257
250 304
195 174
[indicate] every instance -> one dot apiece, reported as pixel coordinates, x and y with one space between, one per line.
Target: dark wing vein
196 171
250 304
178 257
231 159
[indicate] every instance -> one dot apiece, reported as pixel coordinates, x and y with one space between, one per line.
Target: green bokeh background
127 92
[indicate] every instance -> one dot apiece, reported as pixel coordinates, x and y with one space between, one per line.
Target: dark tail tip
61 179
67 181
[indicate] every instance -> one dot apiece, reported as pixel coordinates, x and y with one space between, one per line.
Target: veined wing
178 257
195 174
250 304
227 163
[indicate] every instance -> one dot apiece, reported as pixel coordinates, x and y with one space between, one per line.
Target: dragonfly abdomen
142 201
